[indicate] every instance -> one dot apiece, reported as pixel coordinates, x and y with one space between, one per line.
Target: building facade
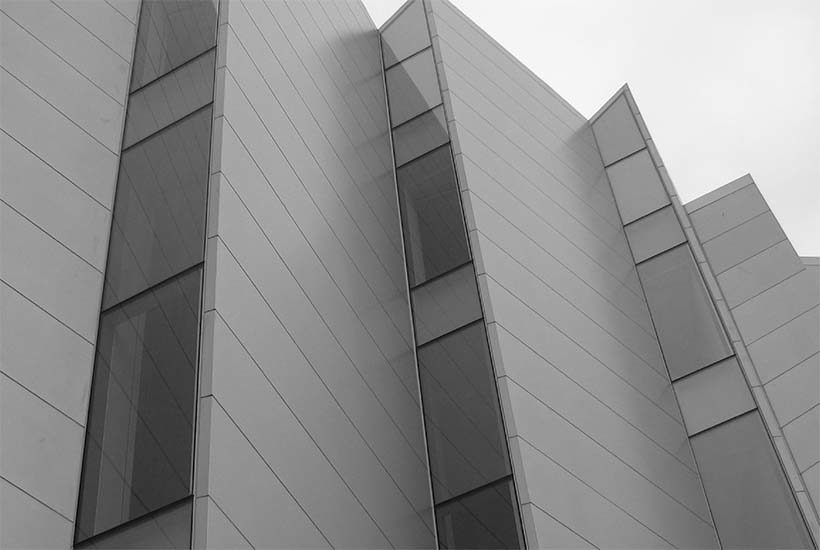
275 278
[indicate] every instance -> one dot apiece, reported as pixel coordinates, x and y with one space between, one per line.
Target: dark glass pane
140 429
487 518
751 500
158 225
412 87
445 304
171 32
406 34
168 529
416 137
434 237
689 330
465 435
170 98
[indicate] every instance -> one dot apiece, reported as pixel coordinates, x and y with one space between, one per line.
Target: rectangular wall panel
568 321
773 296
306 293
64 79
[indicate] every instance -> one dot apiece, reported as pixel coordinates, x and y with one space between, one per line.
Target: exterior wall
64 80
310 423
700 339
773 297
599 450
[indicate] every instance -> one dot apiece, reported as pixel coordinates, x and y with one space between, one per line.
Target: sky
726 88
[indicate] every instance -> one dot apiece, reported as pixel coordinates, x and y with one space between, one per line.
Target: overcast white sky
726 87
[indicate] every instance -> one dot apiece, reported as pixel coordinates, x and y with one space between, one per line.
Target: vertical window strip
148 341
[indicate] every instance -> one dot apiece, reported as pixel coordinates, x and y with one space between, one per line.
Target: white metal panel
41 448
28 523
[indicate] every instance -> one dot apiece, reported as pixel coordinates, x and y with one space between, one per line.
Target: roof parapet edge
719 193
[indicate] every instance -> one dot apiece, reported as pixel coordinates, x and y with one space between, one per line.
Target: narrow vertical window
136 483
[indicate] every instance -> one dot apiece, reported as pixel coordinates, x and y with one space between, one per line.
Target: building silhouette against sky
274 278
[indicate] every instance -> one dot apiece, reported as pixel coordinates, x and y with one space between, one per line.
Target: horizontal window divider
178 67
174 123
405 163
430 152
650 213
440 275
700 369
673 247
498 481
722 422
433 108
403 59
662 252
632 154
143 517
152 287
440 336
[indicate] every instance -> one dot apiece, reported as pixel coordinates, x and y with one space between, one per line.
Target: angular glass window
637 187
748 493
654 233
412 87
464 430
445 304
435 239
171 32
158 227
167 529
406 34
690 333
139 442
423 133
487 518
170 98
713 395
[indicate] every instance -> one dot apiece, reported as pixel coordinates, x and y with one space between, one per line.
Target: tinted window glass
140 430
689 330
170 98
445 304
750 499
637 187
171 32
434 237
169 529
416 137
158 228
654 233
412 87
713 395
464 431
484 519
406 35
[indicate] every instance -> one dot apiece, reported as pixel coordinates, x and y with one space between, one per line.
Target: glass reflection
167 529
690 333
420 135
412 87
465 435
434 236
158 224
171 32
139 442
487 518
748 493
445 304
406 34
170 98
